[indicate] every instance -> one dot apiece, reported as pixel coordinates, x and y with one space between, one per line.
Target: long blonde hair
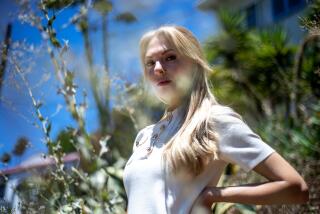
195 143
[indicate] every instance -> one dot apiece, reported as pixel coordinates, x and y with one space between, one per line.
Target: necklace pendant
138 140
149 150
155 136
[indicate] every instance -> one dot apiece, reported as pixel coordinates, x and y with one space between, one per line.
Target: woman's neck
172 108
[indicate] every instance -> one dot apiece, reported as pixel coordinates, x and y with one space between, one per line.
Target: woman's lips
165 82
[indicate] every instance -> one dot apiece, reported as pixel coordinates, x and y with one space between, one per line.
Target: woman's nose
158 68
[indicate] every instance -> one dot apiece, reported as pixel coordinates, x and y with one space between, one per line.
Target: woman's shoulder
238 143
223 113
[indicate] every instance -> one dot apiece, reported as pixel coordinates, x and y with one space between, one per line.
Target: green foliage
311 20
103 6
261 75
66 139
57 4
258 62
294 142
21 146
19 149
92 184
5 158
126 17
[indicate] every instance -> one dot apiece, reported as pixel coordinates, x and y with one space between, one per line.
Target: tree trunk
4 55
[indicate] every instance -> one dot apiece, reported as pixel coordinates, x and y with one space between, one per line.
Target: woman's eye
171 57
149 63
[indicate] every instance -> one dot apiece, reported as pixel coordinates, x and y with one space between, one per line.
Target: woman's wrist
212 195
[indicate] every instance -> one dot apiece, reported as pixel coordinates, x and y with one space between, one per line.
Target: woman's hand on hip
206 198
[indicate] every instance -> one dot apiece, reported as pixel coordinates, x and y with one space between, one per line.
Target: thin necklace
155 137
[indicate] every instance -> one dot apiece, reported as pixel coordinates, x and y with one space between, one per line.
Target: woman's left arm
285 186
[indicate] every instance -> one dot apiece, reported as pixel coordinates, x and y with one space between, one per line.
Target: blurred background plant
93 184
275 85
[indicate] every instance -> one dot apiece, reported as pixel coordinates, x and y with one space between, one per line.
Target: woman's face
168 72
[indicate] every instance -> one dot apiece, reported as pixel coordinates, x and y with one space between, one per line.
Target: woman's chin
168 100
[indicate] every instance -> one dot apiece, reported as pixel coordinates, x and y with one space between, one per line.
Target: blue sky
16 115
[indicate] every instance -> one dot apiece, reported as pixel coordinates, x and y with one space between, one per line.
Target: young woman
177 162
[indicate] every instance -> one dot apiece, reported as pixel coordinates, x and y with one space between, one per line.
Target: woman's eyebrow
164 52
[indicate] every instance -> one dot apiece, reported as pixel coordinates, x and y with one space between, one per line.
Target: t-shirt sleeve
238 144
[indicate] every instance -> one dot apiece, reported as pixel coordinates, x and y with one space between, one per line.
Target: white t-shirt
151 189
